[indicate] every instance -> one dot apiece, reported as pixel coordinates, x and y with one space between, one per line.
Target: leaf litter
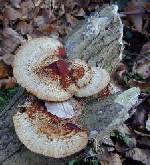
21 20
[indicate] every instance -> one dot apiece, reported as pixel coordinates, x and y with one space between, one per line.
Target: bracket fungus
47 134
41 66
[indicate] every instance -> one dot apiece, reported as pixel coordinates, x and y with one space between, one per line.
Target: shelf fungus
52 129
41 66
45 133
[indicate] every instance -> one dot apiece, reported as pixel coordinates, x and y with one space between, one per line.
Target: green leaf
6 95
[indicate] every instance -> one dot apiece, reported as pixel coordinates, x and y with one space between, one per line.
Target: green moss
6 95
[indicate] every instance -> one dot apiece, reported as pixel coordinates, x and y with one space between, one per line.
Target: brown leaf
146 48
12 14
147 5
10 33
39 21
72 20
8 46
37 2
10 41
81 13
24 28
4 70
69 5
137 20
49 28
113 159
8 59
142 85
15 3
27 8
83 3
10 83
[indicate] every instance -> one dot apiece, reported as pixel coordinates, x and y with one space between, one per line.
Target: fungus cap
44 133
38 53
81 71
100 79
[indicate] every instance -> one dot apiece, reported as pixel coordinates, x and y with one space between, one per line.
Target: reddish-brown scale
49 121
77 73
105 92
62 52
63 67
60 70
64 73
53 67
72 127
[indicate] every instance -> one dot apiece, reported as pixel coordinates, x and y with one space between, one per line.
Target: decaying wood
98 40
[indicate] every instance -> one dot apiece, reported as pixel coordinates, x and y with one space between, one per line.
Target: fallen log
97 40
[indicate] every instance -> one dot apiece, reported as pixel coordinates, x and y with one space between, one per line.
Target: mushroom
44 133
31 65
42 68
100 79
81 72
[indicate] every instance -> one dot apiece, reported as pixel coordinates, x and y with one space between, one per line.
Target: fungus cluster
42 67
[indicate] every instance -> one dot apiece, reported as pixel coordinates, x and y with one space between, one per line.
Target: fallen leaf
4 70
144 86
8 59
27 8
15 3
12 14
146 48
39 21
49 29
113 159
140 155
12 34
80 13
10 83
71 20
137 20
23 27
83 3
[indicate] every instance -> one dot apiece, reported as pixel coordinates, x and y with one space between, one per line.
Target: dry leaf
7 83
39 21
8 59
72 20
137 20
15 3
113 159
12 34
49 29
10 83
146 48
24 28
142 85
4 70
81 13
69 5
27 9
12 14
83 3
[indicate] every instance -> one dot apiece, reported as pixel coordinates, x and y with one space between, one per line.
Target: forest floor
21 20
